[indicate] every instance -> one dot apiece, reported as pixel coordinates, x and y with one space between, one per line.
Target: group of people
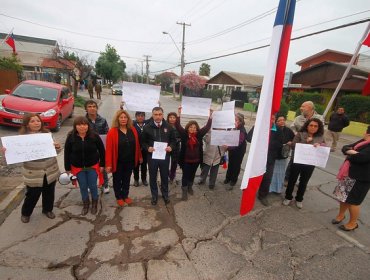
97 87
129 147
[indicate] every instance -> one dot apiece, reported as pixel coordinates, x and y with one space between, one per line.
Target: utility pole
142 71
147 67
182 54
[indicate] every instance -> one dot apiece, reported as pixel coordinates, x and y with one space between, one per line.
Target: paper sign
159 150
308 154
195 106
140 97
228 106
225 137
223 119
28 147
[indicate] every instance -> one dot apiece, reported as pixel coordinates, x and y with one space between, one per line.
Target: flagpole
347 71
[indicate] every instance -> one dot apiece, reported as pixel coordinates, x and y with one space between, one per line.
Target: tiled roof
59 64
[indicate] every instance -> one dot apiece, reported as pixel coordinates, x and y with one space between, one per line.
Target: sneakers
120 202
145 182
25 219
286 202
128 200
136 183
106 189
299 204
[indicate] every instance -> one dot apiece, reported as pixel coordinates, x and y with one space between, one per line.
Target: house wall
335 57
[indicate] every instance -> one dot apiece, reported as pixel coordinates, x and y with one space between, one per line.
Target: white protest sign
223 119
28 147
159 150
140 97
195 106
228 105
308 154
225 137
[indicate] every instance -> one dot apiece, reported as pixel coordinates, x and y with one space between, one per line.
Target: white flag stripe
256 162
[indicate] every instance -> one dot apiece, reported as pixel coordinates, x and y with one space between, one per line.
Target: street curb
11 202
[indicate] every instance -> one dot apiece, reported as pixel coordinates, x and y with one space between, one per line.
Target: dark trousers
264 188
121 179
213 172
303 170
143 166
162 165
235 161
33 195
174 161
188 174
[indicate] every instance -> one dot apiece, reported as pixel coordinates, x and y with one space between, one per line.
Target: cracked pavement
202 238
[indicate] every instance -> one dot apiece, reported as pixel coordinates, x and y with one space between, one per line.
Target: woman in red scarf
356 167
191 152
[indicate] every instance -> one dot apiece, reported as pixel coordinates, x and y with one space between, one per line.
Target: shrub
284 108
356 107
295 100
213 93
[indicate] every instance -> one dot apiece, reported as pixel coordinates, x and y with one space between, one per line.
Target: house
36 55
230 81
325 55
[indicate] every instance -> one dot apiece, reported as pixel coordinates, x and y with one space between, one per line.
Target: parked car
117 89
54 103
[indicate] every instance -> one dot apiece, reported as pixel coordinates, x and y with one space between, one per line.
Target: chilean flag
10 41
271 93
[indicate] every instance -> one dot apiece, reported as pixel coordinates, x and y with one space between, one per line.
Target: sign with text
225 137
140 97
228 105
223 119
195 106
308 154
22 148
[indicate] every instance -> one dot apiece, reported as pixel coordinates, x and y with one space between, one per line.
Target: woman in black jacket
357 167
191 151
84 157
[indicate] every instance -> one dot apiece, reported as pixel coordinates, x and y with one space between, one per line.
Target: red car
54 103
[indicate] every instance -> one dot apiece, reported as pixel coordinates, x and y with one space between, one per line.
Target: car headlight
49 113
1 107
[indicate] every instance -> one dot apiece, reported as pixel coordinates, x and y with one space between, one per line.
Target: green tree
110 65
205 69
11 63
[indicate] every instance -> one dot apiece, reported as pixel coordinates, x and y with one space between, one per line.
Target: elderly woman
123 155
311 133
357 167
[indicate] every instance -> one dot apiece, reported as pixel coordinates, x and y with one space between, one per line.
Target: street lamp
182 59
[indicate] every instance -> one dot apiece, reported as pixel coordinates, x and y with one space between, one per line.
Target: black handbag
285 151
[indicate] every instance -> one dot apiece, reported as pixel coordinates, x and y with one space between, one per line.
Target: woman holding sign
356 168
39 175
191 151
312 132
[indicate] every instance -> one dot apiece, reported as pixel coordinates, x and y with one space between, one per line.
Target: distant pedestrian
39 175
191 151
171 119
158 130
84 157
312 132
139 124
100 126
90 89
236 153
338 120
123 155
98 90
356 168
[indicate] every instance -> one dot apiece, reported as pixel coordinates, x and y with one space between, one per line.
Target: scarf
344 169
192 140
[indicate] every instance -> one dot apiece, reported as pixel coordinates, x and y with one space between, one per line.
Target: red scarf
344 169
192 140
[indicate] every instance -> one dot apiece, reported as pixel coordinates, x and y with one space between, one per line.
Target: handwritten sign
308 154
159 150
28 147
223 119
140 97
195 106
225 137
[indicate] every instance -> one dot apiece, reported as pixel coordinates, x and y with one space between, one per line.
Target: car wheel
71 114
59 124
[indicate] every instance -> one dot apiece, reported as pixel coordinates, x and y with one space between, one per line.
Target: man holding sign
158 130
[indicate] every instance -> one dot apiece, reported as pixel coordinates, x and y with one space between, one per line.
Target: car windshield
36 92
117 87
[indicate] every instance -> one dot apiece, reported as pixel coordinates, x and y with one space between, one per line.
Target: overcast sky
134 29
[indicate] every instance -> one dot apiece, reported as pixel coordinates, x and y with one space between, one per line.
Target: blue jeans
87 179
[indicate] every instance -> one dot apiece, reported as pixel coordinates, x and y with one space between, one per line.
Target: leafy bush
284 108
213 93
295 100
80 101
356 107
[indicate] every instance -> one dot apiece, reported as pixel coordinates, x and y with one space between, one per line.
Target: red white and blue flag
269 103
10 41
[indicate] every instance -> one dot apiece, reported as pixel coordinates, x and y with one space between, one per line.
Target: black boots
85 208
184 193
94 206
